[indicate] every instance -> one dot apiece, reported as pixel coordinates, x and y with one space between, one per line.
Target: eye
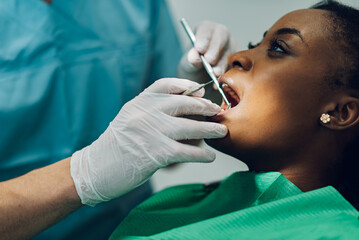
277 47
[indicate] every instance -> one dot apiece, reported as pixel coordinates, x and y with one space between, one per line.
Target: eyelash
251 46
274 43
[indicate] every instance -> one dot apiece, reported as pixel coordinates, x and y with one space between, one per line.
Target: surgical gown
65 71
246 205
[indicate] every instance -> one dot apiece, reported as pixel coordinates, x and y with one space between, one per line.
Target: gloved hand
214 41
142 138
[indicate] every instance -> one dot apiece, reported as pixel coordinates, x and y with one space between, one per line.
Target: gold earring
325 118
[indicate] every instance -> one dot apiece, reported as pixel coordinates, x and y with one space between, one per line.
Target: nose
242 60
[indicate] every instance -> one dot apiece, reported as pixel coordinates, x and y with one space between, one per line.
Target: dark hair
343 22
344 26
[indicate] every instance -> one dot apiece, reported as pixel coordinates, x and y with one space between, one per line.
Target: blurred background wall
246 20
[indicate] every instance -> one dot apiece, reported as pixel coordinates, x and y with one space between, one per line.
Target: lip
231 92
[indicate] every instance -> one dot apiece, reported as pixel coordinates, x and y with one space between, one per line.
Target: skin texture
283 91
33 202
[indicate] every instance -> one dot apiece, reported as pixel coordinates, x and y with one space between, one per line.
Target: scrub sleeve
66 69
246 205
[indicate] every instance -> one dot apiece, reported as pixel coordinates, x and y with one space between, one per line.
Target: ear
344 113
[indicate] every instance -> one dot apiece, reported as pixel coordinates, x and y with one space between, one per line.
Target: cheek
277 111
269 118
257 121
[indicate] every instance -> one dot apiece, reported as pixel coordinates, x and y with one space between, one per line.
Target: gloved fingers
174 86
222 64
194 58
203 36
188 153
192 129
185 105
218 44
189 67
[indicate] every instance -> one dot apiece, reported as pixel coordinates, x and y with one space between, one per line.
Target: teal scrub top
65 71
246 205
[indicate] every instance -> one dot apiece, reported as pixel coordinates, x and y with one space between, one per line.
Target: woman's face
278 88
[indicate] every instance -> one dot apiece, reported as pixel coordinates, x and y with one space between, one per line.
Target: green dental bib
245 205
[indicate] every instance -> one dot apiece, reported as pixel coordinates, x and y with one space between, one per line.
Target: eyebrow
289 31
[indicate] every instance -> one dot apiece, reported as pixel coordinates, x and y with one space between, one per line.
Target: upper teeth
231 93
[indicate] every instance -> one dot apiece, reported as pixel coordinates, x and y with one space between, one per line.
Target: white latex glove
142 138
214 41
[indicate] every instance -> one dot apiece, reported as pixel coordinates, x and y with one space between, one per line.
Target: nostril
241 60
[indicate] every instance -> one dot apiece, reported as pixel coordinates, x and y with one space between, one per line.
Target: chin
223 145
226 117
227 146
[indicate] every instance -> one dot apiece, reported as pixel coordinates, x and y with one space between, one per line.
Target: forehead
304 17
314 26
311 23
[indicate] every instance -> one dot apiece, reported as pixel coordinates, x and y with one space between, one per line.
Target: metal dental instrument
195 89
206 65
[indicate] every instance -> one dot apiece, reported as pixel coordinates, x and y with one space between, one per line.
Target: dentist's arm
141 139
37 200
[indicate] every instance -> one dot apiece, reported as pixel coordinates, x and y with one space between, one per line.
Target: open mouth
231 95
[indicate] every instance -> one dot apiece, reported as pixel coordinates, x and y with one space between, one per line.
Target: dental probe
195 89
206 65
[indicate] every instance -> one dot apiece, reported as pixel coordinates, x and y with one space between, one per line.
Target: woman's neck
309 167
